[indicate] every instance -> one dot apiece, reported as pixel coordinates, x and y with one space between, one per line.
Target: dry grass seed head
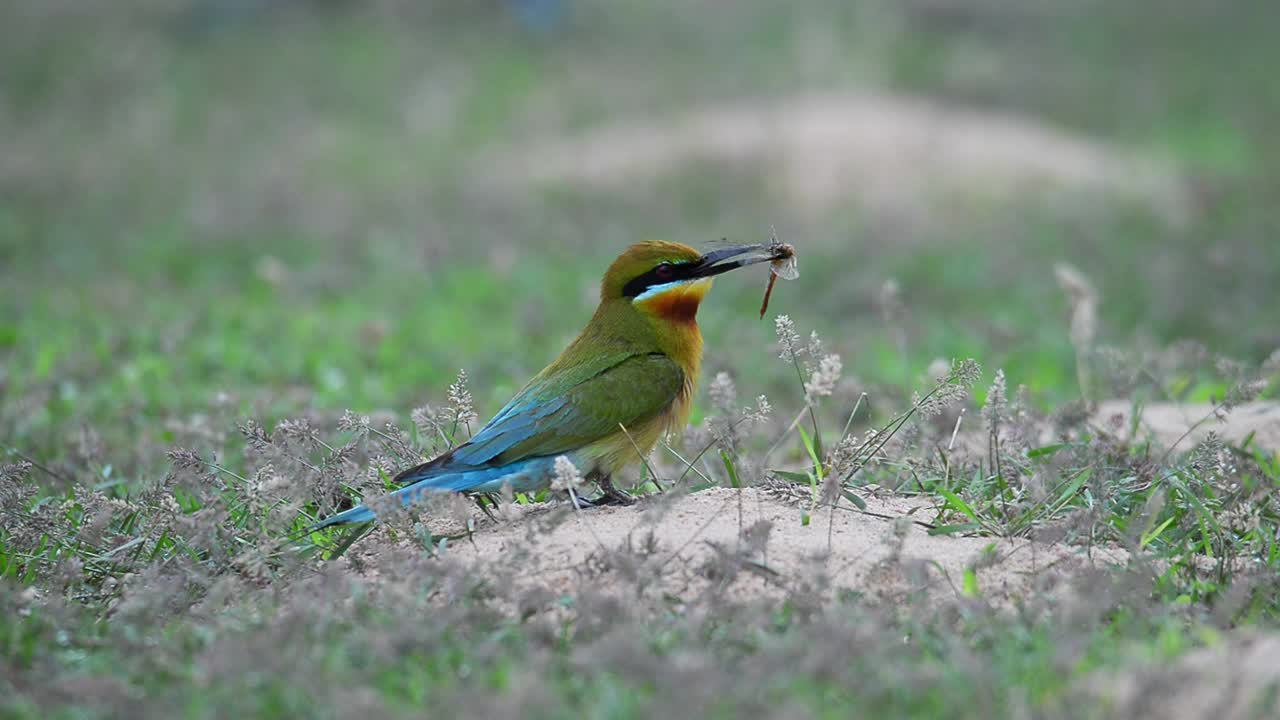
996 409
358 424
822 381
460 401
789 347
950 390
1242 392
724 396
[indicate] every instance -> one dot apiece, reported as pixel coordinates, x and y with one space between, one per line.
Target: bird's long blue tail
522 476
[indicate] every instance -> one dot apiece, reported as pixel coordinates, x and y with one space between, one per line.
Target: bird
627 378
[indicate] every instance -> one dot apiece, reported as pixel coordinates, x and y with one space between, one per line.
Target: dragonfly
783 265
780 256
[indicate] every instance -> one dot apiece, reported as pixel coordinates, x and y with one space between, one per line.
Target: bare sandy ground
825 150
1169 423
718 537
754 542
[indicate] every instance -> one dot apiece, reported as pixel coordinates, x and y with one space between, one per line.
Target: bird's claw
579 502
617 497
610 495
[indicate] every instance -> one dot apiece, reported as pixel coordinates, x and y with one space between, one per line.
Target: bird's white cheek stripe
655 290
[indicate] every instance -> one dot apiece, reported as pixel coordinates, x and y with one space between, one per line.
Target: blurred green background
280 207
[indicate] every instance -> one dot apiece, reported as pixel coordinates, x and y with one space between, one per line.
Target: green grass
281 219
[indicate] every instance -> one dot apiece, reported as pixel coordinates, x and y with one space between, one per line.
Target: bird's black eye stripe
662 273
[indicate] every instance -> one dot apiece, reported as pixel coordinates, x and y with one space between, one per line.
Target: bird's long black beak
731 258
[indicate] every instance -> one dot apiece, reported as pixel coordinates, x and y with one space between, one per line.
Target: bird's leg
610 495
486 503
579 502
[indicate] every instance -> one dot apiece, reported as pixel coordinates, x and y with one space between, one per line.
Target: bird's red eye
664 271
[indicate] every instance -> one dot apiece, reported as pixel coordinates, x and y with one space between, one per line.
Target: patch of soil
717 536
754 543
1167 423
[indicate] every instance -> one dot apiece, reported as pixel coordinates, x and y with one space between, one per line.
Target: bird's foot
620 499
579 502
610 495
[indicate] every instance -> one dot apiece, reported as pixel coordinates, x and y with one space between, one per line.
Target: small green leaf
970 587
1046 450
955 529
853 498
729 467
813 452
1074 487
796 477
957 503
351 535
1150 537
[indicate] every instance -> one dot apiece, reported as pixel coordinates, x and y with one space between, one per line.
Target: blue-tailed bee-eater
628 377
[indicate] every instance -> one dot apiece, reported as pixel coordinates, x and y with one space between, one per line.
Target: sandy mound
754 543
697 543
826 150
1166 423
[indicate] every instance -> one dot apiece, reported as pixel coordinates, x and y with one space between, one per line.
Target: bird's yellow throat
677 304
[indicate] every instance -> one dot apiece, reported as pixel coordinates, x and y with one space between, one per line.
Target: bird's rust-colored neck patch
679 304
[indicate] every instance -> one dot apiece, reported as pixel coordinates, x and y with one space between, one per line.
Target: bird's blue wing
539 422
630 393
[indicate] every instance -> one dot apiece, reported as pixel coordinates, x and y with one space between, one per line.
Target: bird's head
667 280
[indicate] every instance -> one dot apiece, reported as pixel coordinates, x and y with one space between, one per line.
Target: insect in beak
782 265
